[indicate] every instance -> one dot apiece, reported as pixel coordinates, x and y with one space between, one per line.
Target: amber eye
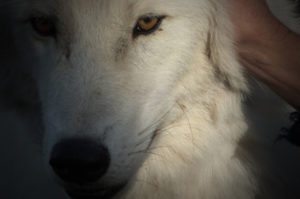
147 25
44 26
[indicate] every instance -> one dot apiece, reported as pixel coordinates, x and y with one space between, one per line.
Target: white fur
214 126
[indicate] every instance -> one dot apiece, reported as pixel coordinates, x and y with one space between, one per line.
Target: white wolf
143 99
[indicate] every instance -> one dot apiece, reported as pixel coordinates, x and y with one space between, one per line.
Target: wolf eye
43 26
147 25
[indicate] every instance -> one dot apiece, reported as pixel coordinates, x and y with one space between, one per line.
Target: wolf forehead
108 24
111 14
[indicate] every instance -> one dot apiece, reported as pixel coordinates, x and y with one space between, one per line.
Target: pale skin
268 50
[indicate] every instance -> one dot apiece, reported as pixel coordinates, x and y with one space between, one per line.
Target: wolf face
109 75
141 99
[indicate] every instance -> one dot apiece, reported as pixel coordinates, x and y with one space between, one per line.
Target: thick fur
178 114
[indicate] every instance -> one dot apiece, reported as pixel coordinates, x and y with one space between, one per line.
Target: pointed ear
222 54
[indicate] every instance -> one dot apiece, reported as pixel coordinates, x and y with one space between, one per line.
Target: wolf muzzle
79 161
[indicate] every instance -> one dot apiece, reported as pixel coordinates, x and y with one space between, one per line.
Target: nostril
79 160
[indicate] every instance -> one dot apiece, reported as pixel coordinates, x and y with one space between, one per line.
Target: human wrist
276 62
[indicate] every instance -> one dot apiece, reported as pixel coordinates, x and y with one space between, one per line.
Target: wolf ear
222 54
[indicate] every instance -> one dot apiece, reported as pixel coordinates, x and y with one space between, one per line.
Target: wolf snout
79 161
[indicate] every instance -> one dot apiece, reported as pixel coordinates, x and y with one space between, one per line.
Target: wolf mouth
95 194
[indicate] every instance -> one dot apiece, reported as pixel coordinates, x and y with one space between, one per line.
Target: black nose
79 161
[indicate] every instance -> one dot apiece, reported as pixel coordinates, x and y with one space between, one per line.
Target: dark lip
108 193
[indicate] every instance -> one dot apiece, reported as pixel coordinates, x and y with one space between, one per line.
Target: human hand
267 49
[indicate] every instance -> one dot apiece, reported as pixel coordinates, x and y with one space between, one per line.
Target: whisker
148 183
189 122
145 152
156 122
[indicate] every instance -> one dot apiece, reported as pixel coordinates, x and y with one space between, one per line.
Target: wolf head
112 75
